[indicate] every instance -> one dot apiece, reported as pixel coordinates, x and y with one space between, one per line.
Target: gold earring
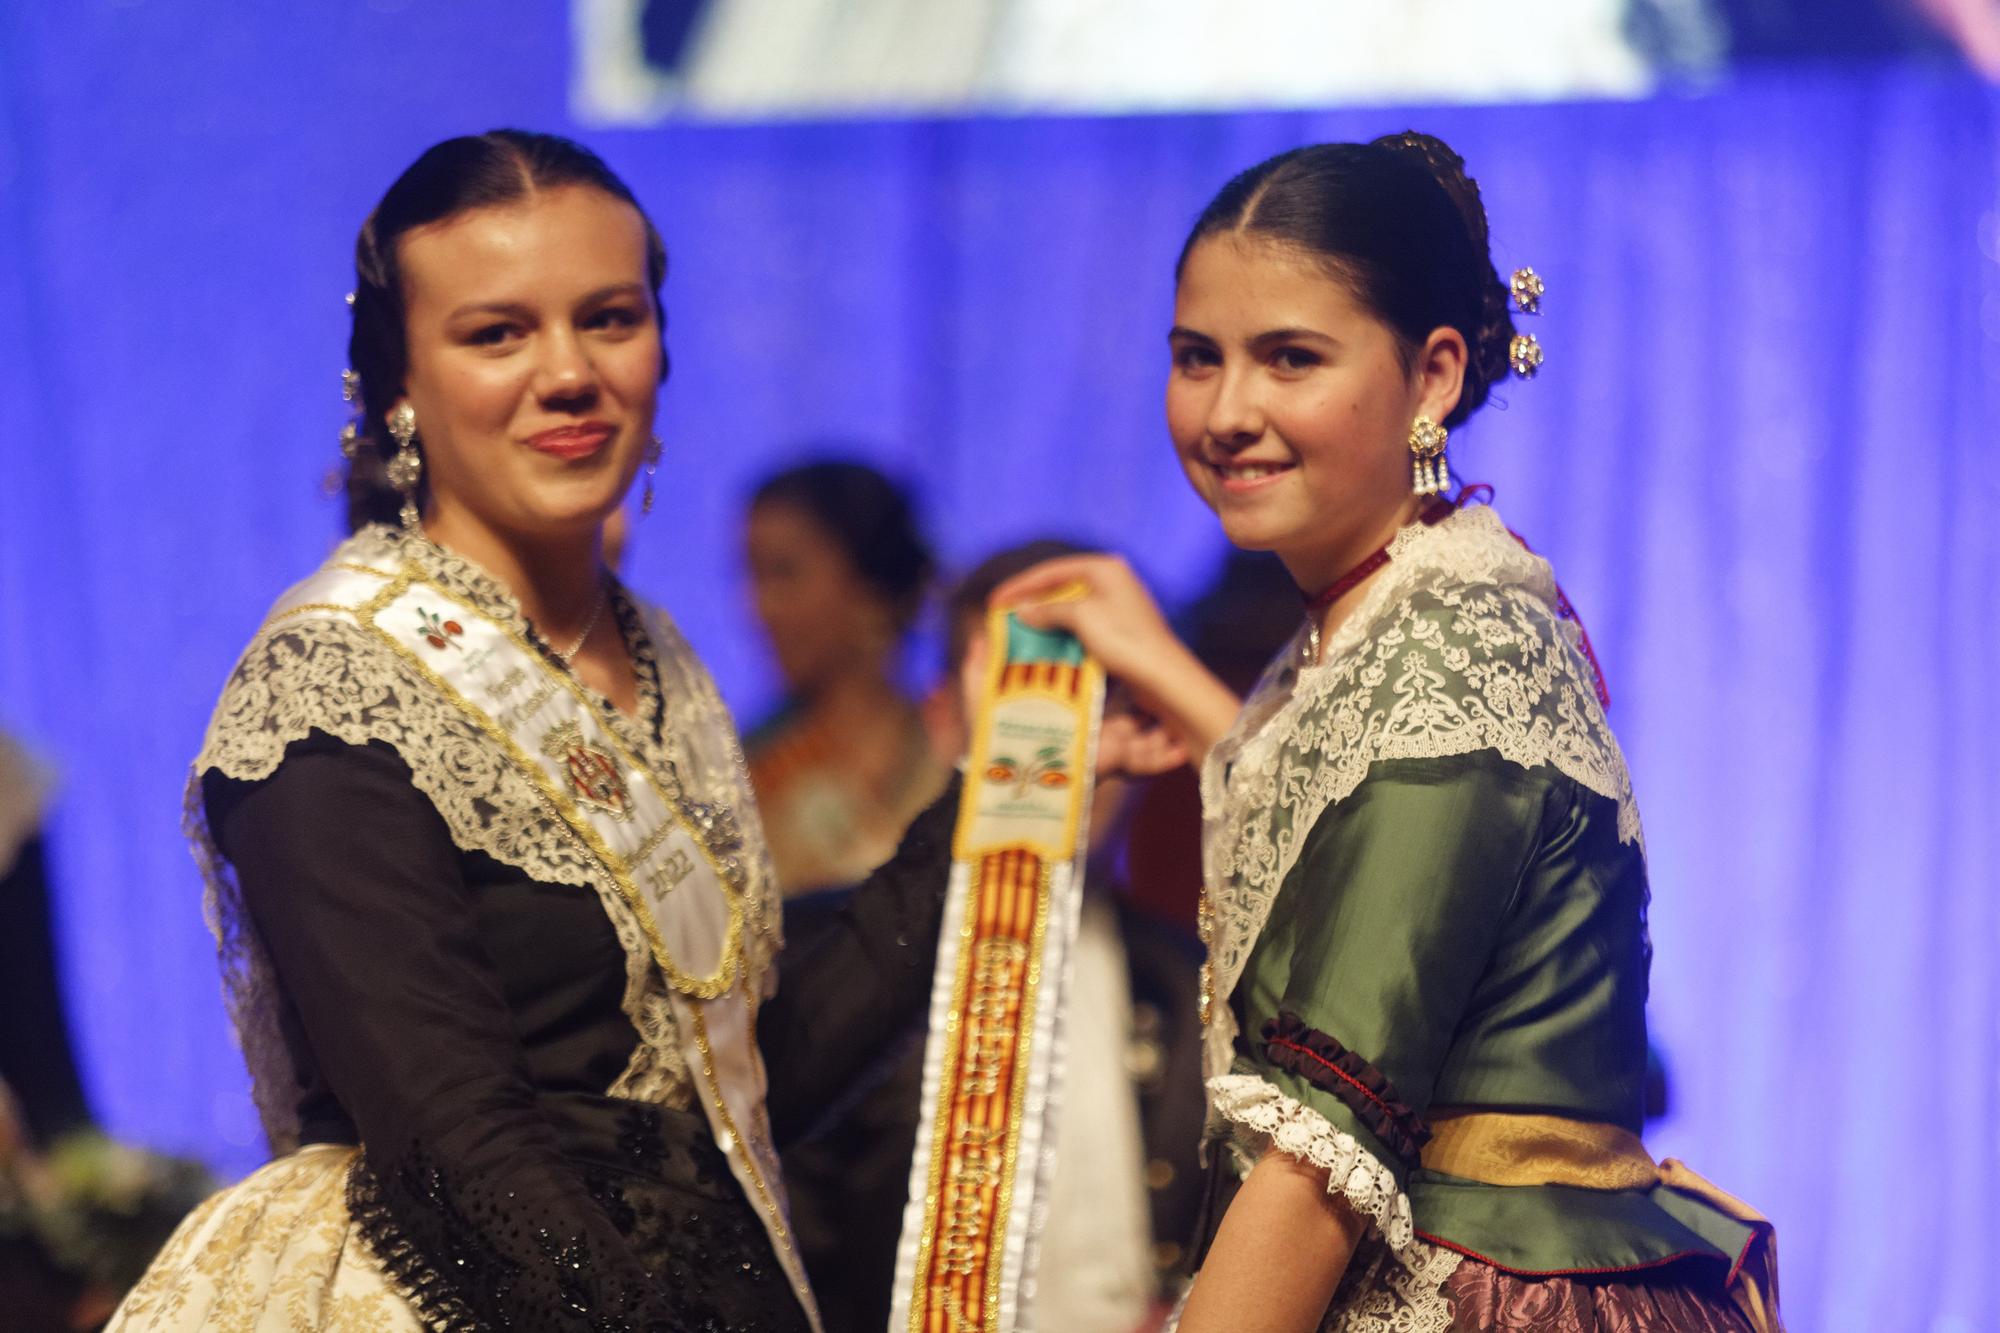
1429 473
406 469
652 466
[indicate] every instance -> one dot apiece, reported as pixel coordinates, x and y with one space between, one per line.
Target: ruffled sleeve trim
1290 1044
1263 1117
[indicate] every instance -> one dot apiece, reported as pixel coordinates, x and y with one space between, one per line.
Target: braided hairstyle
472 171
1399 222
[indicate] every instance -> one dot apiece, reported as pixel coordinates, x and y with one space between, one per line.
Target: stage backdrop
1761 456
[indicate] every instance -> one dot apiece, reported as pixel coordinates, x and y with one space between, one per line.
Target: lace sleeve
354 885
841 1003
1260 1117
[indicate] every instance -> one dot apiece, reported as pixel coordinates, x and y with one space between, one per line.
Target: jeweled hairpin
1524 355
1524 351
1527 288
350 432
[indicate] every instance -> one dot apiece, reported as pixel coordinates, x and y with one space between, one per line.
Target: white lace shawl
305 673
1456 647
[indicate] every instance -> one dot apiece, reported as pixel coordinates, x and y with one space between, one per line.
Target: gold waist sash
1505 1148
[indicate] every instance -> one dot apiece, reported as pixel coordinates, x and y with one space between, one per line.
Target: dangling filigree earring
1429 473
406 469
652 466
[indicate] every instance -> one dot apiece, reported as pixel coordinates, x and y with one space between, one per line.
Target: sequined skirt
658 1175
281 1251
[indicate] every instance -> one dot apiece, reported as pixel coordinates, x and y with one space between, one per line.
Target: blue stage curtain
1760 455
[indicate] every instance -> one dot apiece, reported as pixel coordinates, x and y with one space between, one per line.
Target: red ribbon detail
1437 512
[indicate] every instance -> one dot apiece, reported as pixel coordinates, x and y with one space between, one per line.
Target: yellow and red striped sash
992 1066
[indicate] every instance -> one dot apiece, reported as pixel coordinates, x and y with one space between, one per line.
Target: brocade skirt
1485 1299
282 1252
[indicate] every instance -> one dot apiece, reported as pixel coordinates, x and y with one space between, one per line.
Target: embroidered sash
993 1061
670 858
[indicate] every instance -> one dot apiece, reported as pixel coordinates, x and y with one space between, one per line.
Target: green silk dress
1427 889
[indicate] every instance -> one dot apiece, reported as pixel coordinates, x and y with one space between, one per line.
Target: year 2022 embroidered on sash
992 1064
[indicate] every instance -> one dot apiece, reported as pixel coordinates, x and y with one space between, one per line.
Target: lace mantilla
1455 648
302 674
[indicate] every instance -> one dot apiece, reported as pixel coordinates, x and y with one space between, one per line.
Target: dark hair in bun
1399 221
869 518
472 171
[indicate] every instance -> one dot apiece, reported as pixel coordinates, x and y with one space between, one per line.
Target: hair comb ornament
1524 355
1524 350
1527 289
350 433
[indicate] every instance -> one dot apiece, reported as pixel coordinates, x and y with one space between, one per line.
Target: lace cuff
1263 1117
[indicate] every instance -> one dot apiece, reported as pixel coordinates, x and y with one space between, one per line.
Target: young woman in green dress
1425 901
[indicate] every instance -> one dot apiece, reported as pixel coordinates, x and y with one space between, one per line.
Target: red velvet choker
1316 605
1439 510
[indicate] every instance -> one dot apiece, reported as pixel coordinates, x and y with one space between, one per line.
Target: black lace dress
459 1020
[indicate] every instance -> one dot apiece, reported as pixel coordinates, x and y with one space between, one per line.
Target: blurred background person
36 1058
80 1214
1127 1185
838 570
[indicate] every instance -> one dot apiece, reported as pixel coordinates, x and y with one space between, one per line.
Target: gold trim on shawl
729 964
780 1232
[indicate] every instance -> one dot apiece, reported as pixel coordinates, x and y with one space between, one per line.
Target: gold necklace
596 610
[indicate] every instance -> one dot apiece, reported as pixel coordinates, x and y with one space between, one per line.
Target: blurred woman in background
839 571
